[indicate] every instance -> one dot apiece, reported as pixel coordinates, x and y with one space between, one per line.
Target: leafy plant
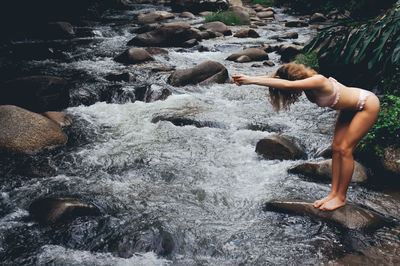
377 42
227 17
386 130
309 59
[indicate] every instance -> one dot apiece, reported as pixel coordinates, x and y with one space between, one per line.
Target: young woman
358 110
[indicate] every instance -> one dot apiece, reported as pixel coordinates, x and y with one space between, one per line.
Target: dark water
168 194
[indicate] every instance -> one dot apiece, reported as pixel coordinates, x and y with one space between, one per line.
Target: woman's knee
343 149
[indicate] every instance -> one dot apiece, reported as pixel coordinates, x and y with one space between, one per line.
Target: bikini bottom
362 98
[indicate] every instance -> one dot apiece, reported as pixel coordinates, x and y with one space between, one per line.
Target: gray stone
246 33
322 170
24 132
349 216
216 26
256 54
205 73
279 148
296 23
134 56
265 14
57 210
187 14
243 59
154 17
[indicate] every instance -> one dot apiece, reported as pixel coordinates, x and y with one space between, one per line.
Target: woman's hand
240 79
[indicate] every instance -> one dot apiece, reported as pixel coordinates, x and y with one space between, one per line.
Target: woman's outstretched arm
314 82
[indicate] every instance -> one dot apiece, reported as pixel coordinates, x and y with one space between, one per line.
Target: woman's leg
358 128
342 124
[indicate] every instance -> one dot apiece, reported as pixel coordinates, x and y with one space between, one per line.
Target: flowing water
169 194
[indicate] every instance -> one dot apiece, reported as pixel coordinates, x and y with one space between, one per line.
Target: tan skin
351 126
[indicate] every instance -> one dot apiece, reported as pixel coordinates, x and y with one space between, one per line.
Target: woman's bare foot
333 204
320 202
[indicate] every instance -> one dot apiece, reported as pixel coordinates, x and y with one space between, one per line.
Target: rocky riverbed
130 146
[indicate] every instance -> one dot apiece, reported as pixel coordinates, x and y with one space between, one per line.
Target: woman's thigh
342 125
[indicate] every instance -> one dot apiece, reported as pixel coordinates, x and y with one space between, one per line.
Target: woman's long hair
284 98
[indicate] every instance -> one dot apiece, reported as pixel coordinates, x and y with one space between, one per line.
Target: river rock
126 76
279 148
134 56
36 93
186 121
289 35
147 28
243 59
391 160
296 23
255 54
61 119
25 132
166 35
58 30
205 73
154 17
57 210
243 13
317 17
246 33
216 27
151 93
322 171
187 14
265 14
156 50
349 216
269 63
288 52
197 6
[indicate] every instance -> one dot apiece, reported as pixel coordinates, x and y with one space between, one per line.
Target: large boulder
205 73
391 160
246 33
166 35
134 56
24 132
197 6
348 216
242 13
288 52
36 93
61 119
255 54
322 170
216 26
57 210
279 148
154 17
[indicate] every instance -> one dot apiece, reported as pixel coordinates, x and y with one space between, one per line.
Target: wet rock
36 93
205 73
243 59
269 63
166 35
147 28
391 160
265 14
255 54
197 6
134 56
126 76
162 69
288 52
58 30
205 13
243 13
317 17
185 121
256 65
58 210
154 17
190 43
278 128
349 216
61 119
216 27
25 132
279 148
156 50
325 153
151 93
187 14
296 23
289 35
322 171
246 33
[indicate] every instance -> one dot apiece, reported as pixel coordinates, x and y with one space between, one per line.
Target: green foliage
386 130
227 17
265 2
376 43
309 59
